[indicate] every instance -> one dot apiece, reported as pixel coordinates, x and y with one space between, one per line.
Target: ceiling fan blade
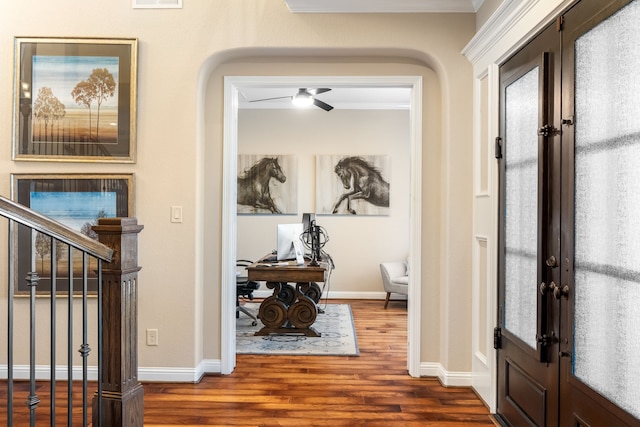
319 90
271 99
323 105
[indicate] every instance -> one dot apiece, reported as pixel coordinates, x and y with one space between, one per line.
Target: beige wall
183 56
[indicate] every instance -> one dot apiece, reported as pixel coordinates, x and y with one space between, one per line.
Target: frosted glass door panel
607 209
521 206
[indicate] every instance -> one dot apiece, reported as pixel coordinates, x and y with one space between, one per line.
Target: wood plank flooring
373 389
369 390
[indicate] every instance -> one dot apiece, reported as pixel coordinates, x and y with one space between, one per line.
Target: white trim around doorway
232 84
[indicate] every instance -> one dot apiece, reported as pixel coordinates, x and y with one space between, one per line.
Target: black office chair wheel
254 323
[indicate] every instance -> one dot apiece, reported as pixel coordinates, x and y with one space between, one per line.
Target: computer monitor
289 243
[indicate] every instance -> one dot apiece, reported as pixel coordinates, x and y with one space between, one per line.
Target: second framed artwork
76 201
75 99
353 185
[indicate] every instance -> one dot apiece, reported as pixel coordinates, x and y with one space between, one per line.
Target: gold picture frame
75 99
75 200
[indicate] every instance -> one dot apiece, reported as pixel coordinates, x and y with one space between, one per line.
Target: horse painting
361 180
253 184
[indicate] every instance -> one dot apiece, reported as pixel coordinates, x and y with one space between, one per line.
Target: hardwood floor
373 389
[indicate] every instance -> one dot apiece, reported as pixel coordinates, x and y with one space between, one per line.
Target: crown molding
384 6
510 27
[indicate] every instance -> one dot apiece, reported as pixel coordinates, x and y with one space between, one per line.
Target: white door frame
229 207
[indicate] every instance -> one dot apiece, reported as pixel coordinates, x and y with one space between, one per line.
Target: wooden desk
290 310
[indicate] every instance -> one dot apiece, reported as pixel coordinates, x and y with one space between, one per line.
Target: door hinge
498 148
497 337
546 340
559 23
547 130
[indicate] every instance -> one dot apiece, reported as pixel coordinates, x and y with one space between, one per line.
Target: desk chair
244 288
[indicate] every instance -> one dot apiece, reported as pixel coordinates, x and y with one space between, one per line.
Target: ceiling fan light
302 99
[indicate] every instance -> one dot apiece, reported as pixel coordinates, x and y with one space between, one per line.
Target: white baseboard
208 366
155 374
43 372
170 375
211 366
447 378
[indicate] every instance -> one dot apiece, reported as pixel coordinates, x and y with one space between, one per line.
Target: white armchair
395 279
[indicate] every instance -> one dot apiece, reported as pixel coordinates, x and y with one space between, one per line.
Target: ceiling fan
305 97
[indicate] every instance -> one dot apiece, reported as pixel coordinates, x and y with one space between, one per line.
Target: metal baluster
32 401
11 284
70 351
53 269
100 344
84 348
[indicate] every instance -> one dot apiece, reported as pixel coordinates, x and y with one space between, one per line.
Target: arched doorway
229 226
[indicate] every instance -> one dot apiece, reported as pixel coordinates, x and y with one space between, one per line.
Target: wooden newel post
122 396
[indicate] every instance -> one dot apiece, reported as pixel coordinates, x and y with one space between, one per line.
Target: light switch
176 213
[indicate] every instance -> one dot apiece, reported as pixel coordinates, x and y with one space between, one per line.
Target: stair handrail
26 216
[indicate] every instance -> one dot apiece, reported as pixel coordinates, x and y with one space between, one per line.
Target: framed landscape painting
75 99
76 201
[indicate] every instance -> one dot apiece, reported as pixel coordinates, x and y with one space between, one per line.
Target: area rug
335 325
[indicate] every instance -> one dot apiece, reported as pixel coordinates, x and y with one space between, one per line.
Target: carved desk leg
273 310
288 311
313 291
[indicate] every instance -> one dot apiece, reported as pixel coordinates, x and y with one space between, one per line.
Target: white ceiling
343 97
384 6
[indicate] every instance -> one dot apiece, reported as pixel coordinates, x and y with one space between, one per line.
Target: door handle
558 292
543 288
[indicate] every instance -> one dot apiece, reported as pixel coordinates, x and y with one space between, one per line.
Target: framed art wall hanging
75 99
76 201
267 184
352 185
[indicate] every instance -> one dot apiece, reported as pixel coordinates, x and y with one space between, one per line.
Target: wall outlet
152 337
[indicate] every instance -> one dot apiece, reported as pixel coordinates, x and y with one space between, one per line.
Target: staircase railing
119 276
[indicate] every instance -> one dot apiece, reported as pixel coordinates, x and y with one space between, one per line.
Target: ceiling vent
157 4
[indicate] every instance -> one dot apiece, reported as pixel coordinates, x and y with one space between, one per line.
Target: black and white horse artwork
254 184
361 180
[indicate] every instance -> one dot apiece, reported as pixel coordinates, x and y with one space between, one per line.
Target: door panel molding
525 393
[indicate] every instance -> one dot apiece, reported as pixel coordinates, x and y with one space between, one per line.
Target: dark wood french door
528 372
568 335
